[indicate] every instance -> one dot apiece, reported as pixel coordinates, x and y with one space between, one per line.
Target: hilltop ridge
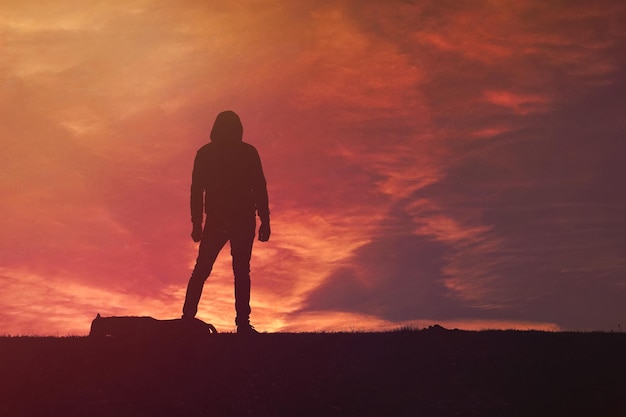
403 373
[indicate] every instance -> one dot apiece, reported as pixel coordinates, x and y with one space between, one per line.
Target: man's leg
212 242
241 250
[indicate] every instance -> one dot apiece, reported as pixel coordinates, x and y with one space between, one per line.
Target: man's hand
264 232
196 233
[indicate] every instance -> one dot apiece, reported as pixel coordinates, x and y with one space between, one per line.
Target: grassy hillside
406 373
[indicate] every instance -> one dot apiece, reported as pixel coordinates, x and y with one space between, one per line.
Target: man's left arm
261 198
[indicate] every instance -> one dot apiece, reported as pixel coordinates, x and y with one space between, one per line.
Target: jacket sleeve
197 191
259 188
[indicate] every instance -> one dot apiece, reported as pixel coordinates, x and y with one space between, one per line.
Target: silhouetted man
229 186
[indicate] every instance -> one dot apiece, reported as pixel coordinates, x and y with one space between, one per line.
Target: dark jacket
227 179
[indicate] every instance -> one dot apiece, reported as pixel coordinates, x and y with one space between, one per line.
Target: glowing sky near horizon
459 163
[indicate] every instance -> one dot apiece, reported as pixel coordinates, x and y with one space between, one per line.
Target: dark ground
404 373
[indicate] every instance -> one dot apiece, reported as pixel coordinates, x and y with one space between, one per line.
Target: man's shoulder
242 145
212 150
248 147
206 148
203 151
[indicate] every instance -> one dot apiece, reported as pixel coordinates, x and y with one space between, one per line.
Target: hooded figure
227 128
228 186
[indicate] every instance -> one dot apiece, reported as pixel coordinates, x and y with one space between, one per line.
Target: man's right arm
197 198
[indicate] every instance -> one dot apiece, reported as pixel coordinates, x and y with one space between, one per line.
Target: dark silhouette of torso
232 180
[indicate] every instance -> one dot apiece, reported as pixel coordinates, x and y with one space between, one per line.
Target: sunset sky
451 162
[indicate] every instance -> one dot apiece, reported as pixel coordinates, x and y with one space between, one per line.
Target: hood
227 128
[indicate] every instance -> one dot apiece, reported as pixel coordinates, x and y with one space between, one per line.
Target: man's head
227 128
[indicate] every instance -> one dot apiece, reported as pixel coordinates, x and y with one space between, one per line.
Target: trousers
216 232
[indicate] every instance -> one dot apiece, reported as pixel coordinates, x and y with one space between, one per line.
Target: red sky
427 162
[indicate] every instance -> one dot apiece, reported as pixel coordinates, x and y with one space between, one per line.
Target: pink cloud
519 103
